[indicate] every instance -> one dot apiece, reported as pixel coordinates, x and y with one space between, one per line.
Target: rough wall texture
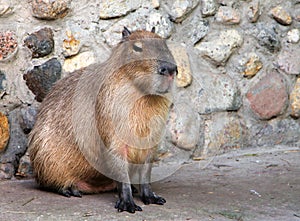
238 64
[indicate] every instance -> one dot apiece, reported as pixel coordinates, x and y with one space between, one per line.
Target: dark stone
2 78
28 117
7 171
40 43
269 97
41 78
16 148
269 38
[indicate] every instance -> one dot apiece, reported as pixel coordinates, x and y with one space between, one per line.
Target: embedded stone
161 22
288 59
295 100
211 92
220 49
79 61
117 8
4 132
281 15
184 126
267 37
253 11
208 7
40 43
50 10
41 78
71 45
8 45
25 169
6 8
179 9
252 66
2 83
155 3
7 171
268 98
184 76
28 117
16 147
195 29
228 15
223 132
293 36
143 18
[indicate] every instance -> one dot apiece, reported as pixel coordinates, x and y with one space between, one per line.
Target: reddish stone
269 97
8 45
49 10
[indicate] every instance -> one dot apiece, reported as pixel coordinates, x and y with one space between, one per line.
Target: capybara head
148 61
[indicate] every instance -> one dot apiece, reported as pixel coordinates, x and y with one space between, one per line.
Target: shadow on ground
243 185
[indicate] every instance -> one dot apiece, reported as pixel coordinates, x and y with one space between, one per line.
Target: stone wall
238 61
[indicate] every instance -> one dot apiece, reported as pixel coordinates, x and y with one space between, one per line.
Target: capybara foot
128 206
153 199
70 191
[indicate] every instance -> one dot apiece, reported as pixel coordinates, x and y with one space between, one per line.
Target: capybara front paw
153 199
128 206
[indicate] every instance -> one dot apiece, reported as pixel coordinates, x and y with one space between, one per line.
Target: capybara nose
167 68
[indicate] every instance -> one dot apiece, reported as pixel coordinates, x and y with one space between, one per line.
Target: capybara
99 127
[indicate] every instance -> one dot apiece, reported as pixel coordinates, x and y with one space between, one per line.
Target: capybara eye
138 46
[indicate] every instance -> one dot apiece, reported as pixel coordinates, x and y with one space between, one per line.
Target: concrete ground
253 184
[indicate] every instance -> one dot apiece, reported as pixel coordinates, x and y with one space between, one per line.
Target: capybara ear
153 30
125 33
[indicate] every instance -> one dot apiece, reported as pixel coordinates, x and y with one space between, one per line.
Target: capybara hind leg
70 191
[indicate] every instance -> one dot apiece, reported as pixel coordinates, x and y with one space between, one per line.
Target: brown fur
78 111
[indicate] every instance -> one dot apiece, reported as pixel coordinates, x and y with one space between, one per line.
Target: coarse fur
100 124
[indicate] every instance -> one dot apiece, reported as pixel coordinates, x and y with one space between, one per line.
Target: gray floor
253 184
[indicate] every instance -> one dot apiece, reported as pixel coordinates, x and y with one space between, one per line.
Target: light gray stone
179 9
253 11
194 30
228 15
210 90
219 93
219 49
288 59
184 126
6 8
117 8
142 18
293 36
208 7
